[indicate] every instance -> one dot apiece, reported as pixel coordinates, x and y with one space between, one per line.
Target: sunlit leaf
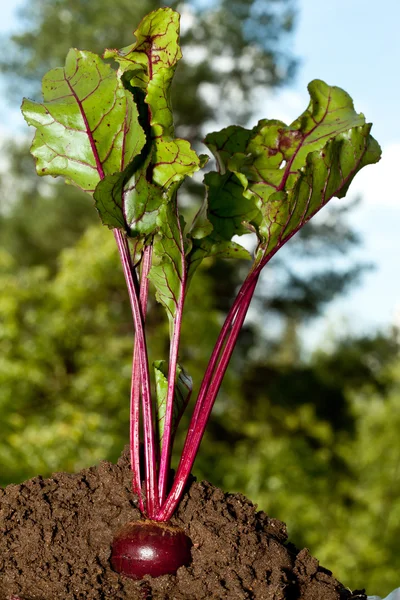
289 172
150 64
132 200
87 126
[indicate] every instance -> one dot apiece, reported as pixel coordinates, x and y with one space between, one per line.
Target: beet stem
209 390
149 441
135 383
215 356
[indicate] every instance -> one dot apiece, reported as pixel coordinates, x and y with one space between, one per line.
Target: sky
353 44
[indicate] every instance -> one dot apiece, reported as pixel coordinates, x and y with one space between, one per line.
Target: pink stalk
149 442
215 356
212 381
134 428
205 402
135 384
251 279
166 449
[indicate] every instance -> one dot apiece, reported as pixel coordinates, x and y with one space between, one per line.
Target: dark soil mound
56 534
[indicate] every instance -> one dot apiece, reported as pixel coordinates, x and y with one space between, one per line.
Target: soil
56 534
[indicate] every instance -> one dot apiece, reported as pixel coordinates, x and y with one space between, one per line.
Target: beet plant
111 133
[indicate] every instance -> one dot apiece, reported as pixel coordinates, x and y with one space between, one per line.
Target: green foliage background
313 442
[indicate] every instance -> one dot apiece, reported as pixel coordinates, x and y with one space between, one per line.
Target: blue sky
356 44
353 44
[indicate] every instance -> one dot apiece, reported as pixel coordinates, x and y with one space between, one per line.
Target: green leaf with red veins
128 201
133 199
156 47
131 202
290 172
227 142
87 126
183 390
150 63
160 108
169 269
173 160
225 213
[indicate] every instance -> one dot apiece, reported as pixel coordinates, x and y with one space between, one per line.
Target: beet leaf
87 126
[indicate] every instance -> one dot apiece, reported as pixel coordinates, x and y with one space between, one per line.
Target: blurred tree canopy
303 438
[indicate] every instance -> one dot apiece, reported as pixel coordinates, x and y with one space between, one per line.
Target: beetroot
148 548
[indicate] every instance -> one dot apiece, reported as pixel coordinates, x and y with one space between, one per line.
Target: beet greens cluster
111 133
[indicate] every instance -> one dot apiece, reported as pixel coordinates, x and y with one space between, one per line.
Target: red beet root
148 548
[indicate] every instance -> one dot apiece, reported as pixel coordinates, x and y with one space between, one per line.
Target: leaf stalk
209 389
149 441
135 384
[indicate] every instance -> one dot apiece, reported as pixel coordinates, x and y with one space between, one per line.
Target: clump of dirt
56 535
